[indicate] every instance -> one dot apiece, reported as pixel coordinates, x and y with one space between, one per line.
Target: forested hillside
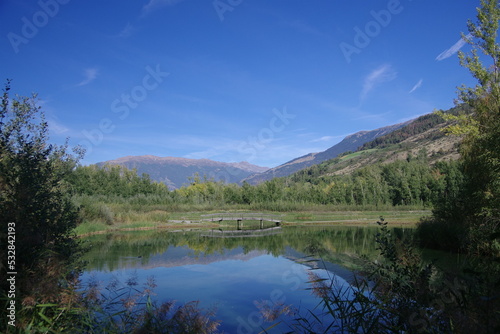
423 134
387 144
418 126
349 143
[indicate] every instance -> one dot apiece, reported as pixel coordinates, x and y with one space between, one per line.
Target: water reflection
339 245
238 276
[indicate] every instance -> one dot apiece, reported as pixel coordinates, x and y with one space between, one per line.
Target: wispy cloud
384 73
454 49
305 28
417 86
127 31
380 117
153 5
90 75
56 127
326 139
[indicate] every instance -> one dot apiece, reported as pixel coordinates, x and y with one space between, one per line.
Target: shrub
35 200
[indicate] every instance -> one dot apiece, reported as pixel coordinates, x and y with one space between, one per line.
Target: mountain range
424 135
354 151
349 143
175 172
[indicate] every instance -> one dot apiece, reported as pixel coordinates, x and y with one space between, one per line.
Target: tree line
404 182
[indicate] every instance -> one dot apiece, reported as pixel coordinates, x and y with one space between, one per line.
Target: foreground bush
115 308
400 293
35 207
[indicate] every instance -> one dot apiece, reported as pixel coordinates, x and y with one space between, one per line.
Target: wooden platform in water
219 233
219 217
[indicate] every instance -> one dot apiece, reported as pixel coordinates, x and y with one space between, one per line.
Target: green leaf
46 305
44 317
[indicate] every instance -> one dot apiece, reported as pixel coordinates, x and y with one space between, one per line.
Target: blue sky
263 81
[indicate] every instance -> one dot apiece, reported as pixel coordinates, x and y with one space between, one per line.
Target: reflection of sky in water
231 286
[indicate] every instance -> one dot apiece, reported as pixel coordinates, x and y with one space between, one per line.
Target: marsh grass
342 309
129 308
90 227
118 307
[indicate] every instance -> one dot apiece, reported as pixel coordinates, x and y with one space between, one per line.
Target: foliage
445 230
475 212
116 308
34 199
403 183
400 293
119 308
113 180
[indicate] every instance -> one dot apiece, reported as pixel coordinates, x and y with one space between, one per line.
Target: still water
233 276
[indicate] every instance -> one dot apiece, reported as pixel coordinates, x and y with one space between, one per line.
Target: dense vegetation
471 216
405 182
112 180
36 212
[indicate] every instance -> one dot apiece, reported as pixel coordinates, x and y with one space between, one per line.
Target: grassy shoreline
198 220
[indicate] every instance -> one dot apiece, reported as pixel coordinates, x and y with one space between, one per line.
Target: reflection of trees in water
334 244
315 248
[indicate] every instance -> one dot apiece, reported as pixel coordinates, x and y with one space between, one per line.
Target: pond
233 276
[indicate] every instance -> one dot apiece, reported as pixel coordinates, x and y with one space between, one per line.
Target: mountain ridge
424 135
187 161
176 171
349 143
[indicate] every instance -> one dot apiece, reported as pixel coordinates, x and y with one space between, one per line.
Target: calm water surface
231 275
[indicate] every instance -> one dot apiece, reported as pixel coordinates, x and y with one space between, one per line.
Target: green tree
34 201
480 148
113 180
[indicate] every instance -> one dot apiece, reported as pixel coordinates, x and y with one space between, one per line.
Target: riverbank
201 220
